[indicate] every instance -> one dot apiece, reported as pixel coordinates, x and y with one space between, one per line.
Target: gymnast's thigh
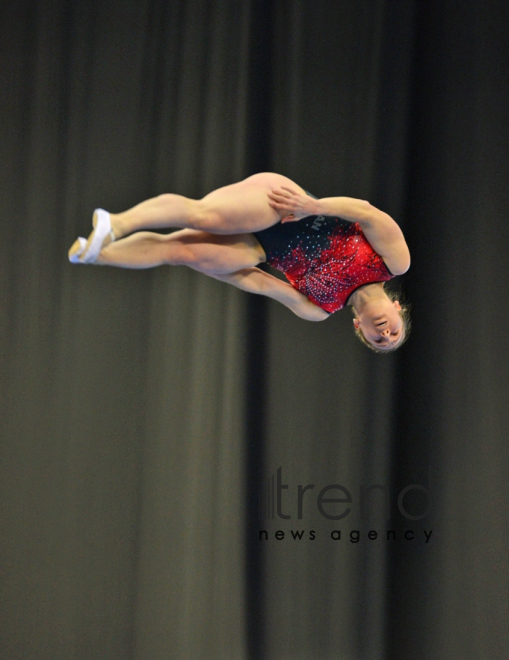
218 254
243 207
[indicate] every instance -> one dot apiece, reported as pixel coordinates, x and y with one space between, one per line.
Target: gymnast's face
381 323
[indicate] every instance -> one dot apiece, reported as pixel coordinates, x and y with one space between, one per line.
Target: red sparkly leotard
324 258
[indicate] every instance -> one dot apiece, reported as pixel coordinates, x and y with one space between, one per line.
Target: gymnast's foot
77 250
102 235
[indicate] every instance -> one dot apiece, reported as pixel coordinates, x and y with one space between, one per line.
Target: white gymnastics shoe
77 249
102 230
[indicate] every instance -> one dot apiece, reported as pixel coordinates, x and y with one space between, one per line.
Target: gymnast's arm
258 281
382 232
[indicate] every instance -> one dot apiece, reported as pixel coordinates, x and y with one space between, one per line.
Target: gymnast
333 251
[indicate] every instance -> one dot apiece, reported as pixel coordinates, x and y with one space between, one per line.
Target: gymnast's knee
179 254
206 218
197 213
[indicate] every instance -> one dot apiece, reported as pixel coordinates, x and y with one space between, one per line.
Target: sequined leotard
324 258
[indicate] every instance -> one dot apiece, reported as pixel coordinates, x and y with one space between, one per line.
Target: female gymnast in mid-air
333 251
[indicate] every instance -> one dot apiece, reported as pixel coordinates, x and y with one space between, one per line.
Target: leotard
324 258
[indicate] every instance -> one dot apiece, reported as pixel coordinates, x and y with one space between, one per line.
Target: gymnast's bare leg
239 208
207 253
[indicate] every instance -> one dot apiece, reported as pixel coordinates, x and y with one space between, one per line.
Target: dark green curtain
143 412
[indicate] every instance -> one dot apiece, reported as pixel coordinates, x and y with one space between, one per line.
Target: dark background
142 412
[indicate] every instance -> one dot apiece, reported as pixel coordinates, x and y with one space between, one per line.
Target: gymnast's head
381 321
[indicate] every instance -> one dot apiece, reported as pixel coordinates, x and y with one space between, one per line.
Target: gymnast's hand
293 204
